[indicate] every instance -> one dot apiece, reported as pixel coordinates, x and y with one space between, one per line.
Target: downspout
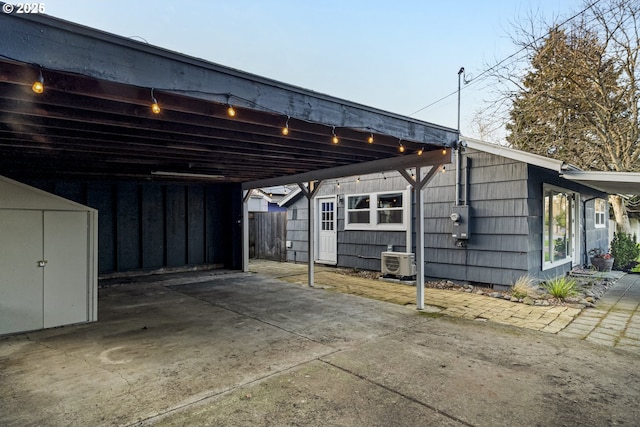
458 144
584 229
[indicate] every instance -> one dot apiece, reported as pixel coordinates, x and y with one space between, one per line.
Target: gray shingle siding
505 199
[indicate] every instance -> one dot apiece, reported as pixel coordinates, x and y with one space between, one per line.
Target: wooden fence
267 235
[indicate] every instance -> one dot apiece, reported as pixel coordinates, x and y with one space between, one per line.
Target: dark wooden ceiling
87 128
93 120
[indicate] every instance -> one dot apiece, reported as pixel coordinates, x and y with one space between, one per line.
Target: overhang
513 154
93 120
608 182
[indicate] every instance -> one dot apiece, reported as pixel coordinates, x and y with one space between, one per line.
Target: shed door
21 279
66 272
34 296
327 230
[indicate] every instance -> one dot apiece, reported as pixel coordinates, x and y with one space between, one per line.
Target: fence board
267 235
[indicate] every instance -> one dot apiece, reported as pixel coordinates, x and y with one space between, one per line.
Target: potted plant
601 260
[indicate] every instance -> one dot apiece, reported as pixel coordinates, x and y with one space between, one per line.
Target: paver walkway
550 319
615 321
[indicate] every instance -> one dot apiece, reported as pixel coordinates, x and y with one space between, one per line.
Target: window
600 208
326 216
379 211
557 226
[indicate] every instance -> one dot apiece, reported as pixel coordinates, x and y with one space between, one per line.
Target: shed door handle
42 263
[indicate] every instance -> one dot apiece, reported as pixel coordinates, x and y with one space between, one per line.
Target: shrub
524 287
625 250
561 287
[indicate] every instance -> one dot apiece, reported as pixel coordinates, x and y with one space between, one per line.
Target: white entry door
327 230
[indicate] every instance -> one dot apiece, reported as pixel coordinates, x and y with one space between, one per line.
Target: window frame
547 227
600 213
373 211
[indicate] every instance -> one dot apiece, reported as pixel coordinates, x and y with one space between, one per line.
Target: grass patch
561 287
525 286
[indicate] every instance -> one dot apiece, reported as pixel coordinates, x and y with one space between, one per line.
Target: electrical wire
480 77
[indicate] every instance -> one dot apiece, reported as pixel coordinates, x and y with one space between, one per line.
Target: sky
394 55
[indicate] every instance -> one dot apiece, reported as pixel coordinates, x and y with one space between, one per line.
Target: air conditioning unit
398 263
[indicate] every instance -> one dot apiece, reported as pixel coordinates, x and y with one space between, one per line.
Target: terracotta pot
602 264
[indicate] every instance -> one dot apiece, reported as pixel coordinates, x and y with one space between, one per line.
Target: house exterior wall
590 237
147 226
500 224
505 199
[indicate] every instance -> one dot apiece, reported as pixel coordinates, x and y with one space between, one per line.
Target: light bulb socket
38 85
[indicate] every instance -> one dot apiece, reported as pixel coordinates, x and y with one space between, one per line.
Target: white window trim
596 213
373 210
547 265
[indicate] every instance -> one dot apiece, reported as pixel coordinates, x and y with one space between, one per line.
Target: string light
155 107
444 169
338 184
231 112
358 180
38 85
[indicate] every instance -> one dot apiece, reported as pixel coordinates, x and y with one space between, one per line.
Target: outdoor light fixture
401 148
370 139
285 129
444 151
420 151
38 85
187 175
335 139
155 107
230 110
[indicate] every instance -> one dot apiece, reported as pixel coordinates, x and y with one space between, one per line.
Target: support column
418 183
419 228
310 193
245 230
311 236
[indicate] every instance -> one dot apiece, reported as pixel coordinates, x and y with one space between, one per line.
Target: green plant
625 250
523 287
561 287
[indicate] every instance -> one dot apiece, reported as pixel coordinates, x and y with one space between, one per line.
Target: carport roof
93 120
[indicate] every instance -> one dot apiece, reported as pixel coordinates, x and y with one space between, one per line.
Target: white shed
48 260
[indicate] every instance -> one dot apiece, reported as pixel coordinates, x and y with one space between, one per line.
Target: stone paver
614 322
457 304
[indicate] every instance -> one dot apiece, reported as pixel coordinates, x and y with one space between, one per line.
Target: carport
182 137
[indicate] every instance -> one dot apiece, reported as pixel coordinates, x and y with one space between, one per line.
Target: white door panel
65 275
327 230
20 276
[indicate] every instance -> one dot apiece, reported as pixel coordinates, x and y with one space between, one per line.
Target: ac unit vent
398 263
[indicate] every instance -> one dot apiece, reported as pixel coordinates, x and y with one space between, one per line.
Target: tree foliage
579 101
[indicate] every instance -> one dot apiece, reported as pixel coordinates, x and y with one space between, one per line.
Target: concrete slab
245 349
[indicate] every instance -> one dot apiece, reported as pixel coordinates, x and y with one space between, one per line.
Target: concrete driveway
243 349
